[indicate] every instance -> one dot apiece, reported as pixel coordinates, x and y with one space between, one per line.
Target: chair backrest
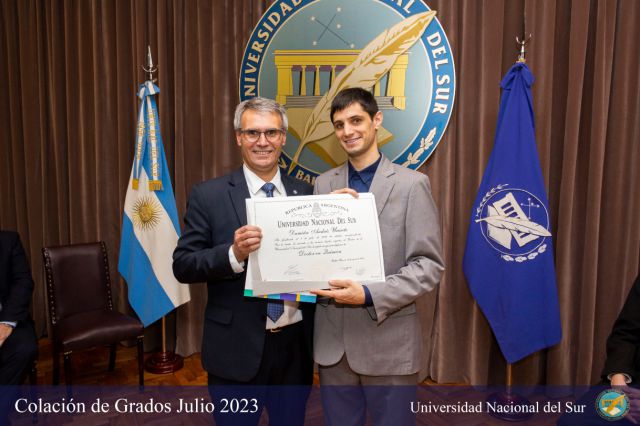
77 279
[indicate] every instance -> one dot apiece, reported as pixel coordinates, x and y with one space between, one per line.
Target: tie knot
268 189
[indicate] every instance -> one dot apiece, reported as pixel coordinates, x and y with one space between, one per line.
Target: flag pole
163 362
509 397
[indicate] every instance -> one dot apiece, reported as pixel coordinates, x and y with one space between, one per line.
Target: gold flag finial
522 43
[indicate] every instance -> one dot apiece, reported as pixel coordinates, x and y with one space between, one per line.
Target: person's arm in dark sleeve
197 258
16 306
624 340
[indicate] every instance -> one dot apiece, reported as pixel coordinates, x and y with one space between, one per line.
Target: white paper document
307 241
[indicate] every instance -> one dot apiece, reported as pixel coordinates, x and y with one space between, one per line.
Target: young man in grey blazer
370 334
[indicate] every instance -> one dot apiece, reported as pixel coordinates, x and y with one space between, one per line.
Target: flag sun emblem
146 213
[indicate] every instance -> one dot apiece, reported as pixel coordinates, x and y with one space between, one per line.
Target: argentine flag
150 227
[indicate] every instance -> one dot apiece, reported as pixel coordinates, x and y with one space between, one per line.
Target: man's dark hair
359 95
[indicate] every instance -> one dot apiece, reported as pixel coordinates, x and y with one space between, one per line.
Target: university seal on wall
303 52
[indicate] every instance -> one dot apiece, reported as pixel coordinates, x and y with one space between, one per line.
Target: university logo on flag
150 226
508 259
514 223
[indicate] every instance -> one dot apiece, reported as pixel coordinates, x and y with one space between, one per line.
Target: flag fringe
155 185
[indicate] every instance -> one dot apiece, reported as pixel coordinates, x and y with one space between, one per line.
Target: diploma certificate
307 241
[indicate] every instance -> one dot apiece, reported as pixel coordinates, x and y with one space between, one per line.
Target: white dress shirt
291 313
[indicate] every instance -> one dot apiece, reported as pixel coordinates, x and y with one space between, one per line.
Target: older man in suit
17 337
370 334
247 341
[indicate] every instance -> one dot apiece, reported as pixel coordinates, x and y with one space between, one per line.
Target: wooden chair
80 306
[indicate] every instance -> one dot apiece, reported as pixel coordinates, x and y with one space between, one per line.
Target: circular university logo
612 404
303 52
514 222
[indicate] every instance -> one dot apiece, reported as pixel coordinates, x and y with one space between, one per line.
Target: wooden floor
90 368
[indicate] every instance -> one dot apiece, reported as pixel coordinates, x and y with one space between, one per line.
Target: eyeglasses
253 135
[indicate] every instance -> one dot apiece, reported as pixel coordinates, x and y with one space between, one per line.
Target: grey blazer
385 339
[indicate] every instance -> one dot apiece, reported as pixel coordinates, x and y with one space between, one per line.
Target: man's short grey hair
262 105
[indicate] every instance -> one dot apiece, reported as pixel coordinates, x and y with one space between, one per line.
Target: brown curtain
68 75
587 107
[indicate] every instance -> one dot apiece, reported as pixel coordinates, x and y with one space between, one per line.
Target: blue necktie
275 308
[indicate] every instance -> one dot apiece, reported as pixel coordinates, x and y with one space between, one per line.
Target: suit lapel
289 184
383 183
239 192
340 178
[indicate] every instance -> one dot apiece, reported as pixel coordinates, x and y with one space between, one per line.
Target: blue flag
150 227
508 260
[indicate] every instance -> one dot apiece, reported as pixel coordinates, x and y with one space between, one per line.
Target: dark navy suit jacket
16 284
623 345
234 325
